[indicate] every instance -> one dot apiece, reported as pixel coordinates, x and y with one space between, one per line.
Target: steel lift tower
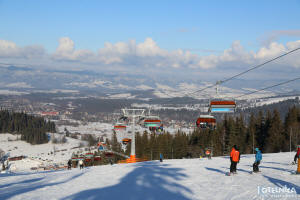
132 114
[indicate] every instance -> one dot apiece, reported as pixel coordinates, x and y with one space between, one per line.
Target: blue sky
199 26
204 39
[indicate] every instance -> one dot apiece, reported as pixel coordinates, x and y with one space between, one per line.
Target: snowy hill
37 155
106 129
172 179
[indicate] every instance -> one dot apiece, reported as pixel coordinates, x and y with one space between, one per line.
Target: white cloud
293 45
147 55
273 50
66 51
237 56
9 49
272 36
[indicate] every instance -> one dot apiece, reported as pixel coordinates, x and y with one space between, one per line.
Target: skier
3 166
258 158
298 157
234 159
161 157
81 164
208 153
297 154
69 164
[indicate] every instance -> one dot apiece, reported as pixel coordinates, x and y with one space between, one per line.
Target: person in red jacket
297 154
234 158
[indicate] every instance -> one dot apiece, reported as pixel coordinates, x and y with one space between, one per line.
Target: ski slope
173 179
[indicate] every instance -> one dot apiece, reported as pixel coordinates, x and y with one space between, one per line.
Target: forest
265 130
32 129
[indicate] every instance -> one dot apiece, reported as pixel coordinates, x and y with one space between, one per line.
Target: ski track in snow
173 179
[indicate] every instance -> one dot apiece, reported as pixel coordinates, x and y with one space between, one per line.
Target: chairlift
222 106
125 141
152 121
206 121
119 126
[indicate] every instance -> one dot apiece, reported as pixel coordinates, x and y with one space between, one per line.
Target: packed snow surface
172 179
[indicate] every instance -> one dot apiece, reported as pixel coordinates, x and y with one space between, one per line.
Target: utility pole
290 139
253 143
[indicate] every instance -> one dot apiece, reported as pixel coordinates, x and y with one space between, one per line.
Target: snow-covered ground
96 128
106 129
268 101
37 155
173 179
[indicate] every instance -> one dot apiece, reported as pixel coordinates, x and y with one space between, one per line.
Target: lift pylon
132 114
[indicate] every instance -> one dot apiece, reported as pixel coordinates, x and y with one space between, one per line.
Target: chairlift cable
248 70
278 84
239 74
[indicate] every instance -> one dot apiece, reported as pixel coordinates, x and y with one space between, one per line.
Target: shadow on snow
281 183
239 170
29 173
31 185
278 163
215 170
278 168
146 181
22 182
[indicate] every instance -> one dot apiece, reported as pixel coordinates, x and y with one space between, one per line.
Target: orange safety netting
133 159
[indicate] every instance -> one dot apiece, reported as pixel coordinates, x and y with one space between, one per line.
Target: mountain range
23 80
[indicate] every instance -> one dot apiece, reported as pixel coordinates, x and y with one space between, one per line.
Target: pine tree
292 126
260 131
275 140
251 135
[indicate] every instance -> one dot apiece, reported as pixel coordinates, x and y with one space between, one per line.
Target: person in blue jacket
161 157
258 158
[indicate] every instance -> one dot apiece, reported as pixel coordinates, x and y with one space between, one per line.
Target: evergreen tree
32 129
250 140
276 140
292 126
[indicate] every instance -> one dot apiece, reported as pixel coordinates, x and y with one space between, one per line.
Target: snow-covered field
268 101
173 179
106 129
95 128
37 155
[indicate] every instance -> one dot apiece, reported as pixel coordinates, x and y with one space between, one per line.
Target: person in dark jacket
258 158
234 158
80 164
69 164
